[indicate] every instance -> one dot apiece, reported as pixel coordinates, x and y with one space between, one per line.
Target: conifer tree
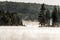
54 16
41 17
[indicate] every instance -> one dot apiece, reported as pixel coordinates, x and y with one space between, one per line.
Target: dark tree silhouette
15 20
19 21
8 18
48 17
42 15
54 16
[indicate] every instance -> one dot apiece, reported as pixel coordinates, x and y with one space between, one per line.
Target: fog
31 24
29 32
49 2
24 33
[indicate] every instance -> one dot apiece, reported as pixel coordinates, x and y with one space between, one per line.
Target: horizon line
30 2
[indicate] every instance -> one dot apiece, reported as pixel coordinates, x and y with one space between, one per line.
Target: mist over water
33 24
26 33
29 32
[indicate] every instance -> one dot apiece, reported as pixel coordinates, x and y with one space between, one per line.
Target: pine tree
54 16
41 17
48 17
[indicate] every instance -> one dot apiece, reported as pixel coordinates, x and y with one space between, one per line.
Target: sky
49 2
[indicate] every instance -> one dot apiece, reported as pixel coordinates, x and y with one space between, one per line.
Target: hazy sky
50 2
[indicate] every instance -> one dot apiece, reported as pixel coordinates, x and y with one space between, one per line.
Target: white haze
49 2
26 33
29 32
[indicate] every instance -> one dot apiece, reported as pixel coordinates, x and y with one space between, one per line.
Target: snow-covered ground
29 32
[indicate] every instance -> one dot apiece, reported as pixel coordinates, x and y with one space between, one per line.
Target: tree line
7 18
45 16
